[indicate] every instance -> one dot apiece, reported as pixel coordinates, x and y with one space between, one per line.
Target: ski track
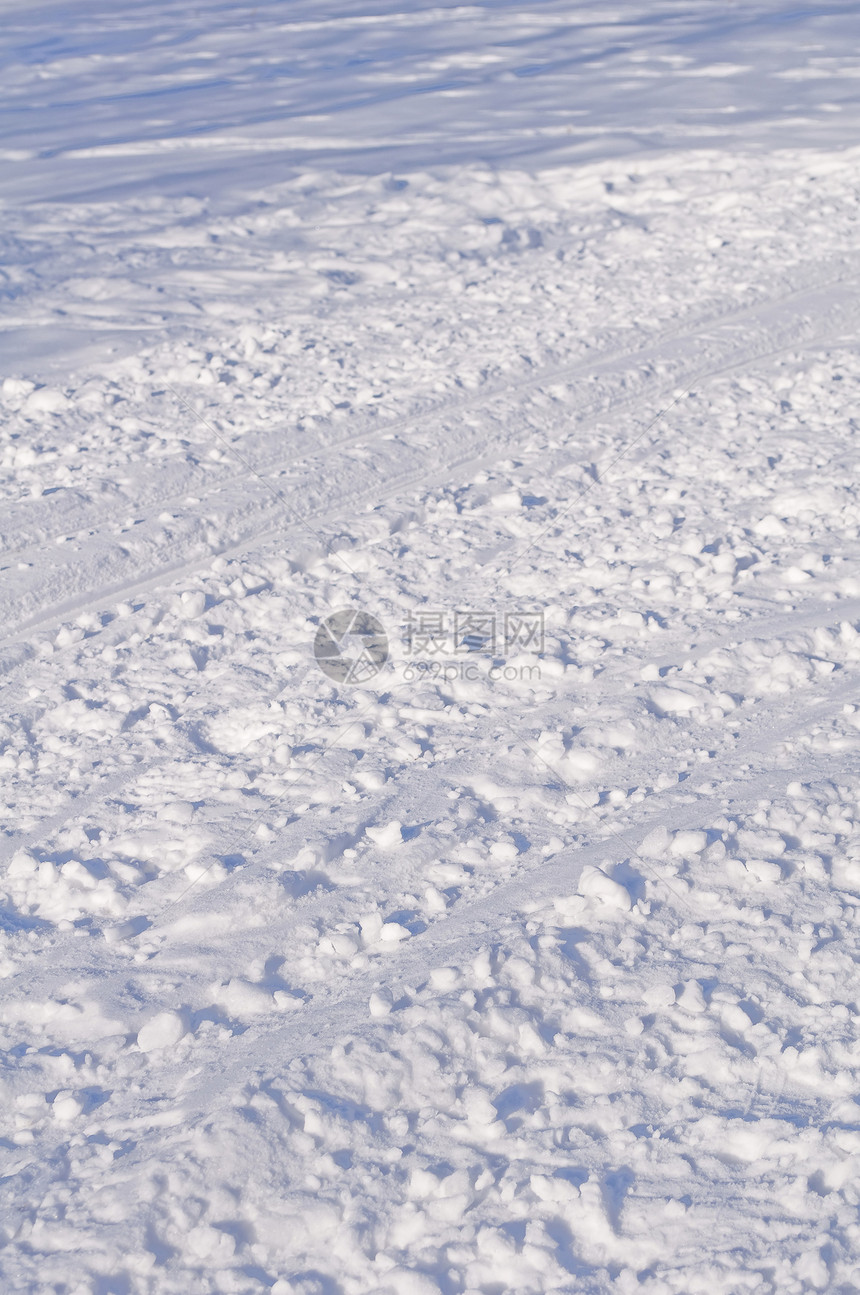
373 433
409 480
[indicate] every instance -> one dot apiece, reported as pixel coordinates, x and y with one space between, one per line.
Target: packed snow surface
515 347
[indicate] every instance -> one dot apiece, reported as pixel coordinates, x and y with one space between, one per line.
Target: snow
524 962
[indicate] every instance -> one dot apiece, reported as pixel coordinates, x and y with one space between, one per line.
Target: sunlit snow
430 631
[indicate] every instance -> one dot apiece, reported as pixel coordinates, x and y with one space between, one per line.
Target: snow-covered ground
525 330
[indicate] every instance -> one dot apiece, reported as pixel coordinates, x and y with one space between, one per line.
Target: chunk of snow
66 1107
387 837
595 884
162 1031
380 1003
176 811
688 844
506 851
392 932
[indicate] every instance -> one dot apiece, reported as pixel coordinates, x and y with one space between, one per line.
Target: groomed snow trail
525 968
